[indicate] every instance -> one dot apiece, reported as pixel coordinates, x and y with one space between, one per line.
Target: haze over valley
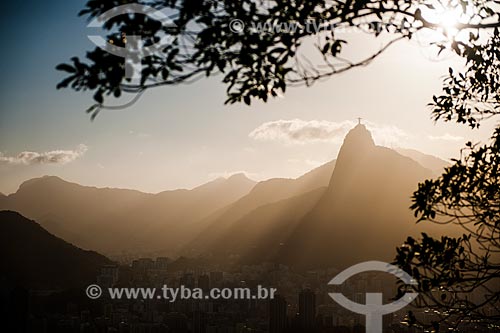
353 208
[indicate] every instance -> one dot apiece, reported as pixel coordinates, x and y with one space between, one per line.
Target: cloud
387 135
445 137
50 157
297 131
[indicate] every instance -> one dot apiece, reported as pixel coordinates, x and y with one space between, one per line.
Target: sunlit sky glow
448 17
180 137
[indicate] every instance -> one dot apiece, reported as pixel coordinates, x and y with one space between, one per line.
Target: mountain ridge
263 193
363 213
366 182
112 220
57 263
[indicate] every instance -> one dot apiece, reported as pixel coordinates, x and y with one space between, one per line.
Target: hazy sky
179 137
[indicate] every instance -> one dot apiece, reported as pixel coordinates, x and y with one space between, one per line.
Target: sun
447 18
450 19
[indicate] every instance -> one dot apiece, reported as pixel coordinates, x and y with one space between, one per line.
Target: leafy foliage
262 59
460 278
472 96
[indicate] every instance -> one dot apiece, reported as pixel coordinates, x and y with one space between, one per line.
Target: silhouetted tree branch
262 59
460 278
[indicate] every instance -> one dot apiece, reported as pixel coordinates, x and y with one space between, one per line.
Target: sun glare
447 19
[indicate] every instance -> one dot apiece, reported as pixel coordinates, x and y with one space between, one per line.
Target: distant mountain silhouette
113 220
363 214
215 227
433 163
32 257
260 235
352 209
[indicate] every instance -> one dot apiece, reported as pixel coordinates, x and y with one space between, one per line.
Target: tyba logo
134 50
374 309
